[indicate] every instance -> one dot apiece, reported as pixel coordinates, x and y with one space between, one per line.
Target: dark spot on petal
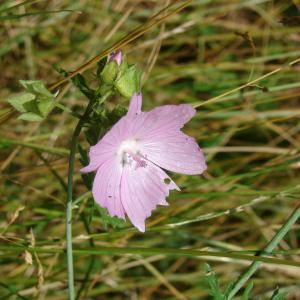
109 196
167 180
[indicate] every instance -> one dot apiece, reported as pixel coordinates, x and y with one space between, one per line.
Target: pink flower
129 158
117 56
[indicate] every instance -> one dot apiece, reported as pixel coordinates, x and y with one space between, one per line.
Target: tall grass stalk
269 248
73 148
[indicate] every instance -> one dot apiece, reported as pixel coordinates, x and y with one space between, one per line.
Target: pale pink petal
171 116
117 56
107 187
142 189
162 142
91 167
119 132
175 152
107 147
135 105
114 136
160 120
99 154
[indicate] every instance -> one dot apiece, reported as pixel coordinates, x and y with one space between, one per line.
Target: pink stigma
136 157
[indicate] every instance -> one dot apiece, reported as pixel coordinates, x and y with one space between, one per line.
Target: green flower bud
129 82
110 72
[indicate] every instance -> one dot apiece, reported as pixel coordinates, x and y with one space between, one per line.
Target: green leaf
60 70
32 106
36 104
213 282
36 87
247 292
79 81
129 82
279 296
45 106
228 289
116 114
18 101
107 220
30 117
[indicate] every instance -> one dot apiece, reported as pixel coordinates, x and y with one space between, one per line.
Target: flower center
129 153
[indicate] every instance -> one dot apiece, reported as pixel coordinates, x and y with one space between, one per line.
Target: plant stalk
73 148
268 249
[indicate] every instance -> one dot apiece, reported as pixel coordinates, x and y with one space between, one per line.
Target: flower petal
99 154
107 147
135 105
142 189
175 152
117 56
160 120
107 187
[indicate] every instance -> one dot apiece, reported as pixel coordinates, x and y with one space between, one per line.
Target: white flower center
129 153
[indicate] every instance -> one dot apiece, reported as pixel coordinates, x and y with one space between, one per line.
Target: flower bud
129 82
112 68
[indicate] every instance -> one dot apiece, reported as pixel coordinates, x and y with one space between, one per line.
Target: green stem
73 148
268 249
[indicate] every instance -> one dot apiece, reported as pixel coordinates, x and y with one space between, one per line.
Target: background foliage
251 141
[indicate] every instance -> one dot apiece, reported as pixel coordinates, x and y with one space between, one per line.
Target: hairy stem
268 249
73 148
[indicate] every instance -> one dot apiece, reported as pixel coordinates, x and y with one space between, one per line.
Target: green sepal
103 90
124 65
129 82
100 66
110 72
